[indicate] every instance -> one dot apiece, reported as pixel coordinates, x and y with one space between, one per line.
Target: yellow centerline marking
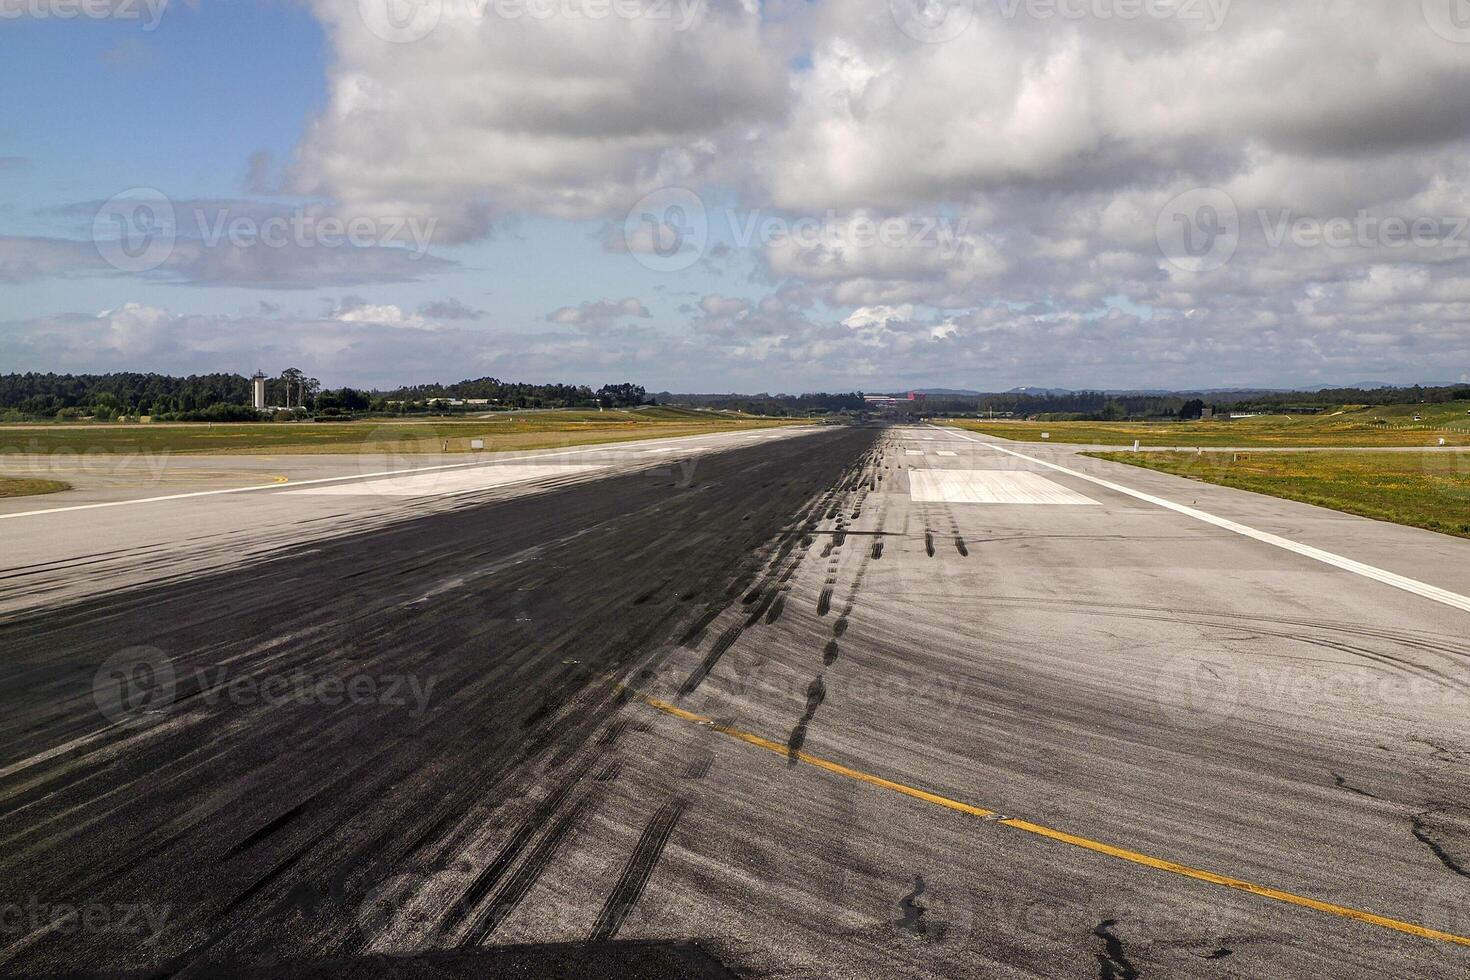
1122 854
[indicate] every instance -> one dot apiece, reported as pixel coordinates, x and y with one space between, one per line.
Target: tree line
1114 406
817 403
111 395
229 397
519 394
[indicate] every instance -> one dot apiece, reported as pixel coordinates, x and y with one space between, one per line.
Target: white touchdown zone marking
1397 581
447 484
991 487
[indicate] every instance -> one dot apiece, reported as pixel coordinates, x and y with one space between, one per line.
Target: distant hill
1036 392
1040 392
1377 385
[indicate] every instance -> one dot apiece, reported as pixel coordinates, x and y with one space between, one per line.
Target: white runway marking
990 487
442 484
1423 589
946 452
913 452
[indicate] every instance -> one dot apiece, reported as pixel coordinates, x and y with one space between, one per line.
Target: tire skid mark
515 888
765 595
520 884
613 733
290 860
270 877
773 555
816 693
268 829
452 801
700 762
490 876
721 646
137 856
817 690
639 869
777 606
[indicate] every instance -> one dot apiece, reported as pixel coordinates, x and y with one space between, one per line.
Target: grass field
20 486
1382 425
508 431
1428 490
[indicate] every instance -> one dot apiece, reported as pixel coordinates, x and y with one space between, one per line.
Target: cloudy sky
740 195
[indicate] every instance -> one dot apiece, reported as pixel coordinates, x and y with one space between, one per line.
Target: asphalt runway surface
852 702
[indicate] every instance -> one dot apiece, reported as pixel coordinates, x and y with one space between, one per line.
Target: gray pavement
815 705
131 519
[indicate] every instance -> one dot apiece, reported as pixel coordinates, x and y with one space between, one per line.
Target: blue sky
884 199
185 107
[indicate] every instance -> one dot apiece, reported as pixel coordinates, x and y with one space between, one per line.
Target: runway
853 702
136 518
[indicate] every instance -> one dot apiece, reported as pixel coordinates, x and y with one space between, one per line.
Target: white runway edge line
599 447
1423 589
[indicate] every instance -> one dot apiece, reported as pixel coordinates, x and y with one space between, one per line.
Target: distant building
258 393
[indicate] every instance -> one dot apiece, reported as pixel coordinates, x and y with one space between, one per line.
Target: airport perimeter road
858 703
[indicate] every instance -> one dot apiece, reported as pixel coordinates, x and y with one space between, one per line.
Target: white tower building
259 393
